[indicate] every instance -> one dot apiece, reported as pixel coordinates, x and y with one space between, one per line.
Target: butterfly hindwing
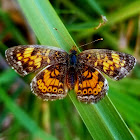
29 58
50 83
114 64
91 86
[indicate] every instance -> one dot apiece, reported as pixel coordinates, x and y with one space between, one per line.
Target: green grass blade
23 118
95 6
42 19
102 120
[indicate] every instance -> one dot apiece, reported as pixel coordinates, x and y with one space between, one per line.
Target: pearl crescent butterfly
62 71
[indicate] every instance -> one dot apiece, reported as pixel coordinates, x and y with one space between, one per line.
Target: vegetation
23 115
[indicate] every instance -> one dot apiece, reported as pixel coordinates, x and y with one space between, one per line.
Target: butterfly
62 71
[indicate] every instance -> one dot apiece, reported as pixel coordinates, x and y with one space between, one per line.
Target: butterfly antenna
91 42
62 37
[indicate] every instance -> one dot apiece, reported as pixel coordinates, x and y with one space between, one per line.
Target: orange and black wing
50 83
91 86
114 64
29 58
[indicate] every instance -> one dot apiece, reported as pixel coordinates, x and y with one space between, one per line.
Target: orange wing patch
91 86
50 83
29 58
114 64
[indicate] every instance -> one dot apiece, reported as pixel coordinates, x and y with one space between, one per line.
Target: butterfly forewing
114 64
28 58
91 86
50 83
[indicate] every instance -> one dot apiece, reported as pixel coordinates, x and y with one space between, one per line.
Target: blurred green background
23 115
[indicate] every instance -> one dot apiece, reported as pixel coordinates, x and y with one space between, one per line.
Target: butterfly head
73 50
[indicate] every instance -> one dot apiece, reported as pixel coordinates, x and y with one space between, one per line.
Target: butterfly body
62 71
72 65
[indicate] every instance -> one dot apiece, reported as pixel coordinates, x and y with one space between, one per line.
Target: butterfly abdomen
71 78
